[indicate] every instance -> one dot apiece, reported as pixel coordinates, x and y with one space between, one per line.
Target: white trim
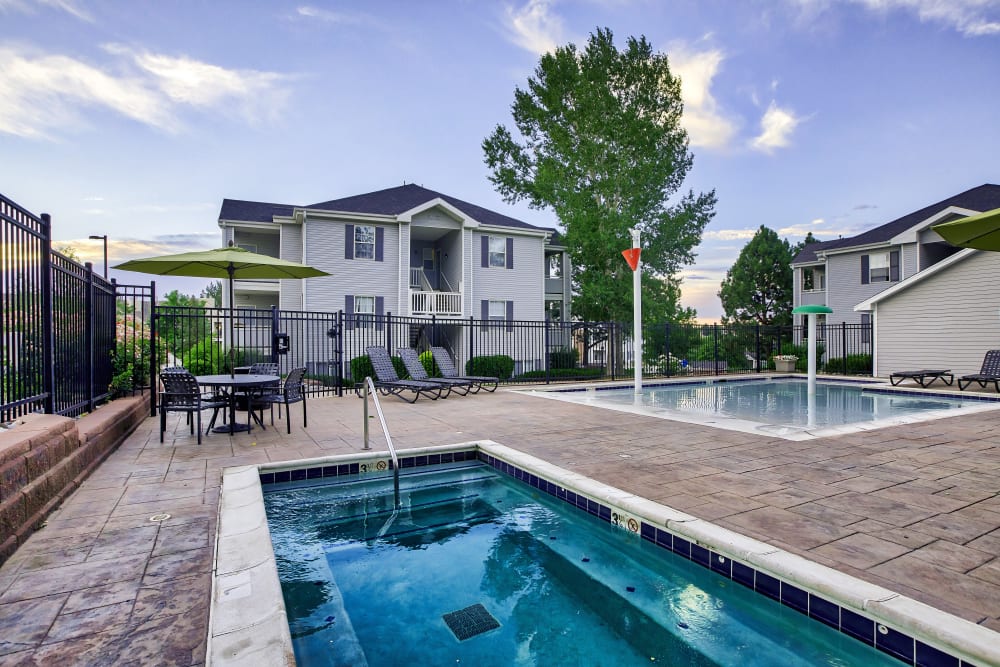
512 231
912 234
248 225
371 218
869 303
437 202
856 248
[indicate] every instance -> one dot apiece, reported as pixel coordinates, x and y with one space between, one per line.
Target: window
878 268
364 242
364 311
498 252
553 311
428 258
554 266
498 310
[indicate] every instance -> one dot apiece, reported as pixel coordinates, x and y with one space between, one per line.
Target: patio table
230 386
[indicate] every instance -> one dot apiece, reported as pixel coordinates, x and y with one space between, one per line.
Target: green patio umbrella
980 231
231 263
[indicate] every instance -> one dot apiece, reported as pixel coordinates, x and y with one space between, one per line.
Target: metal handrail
369 390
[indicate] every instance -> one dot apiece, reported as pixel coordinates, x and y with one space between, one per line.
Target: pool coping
875 385
248 621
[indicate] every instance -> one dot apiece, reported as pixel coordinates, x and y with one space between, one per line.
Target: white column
637 315
812 354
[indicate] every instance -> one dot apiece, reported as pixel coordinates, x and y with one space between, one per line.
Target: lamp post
104 238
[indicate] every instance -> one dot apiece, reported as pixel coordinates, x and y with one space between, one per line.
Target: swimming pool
779 407
478 569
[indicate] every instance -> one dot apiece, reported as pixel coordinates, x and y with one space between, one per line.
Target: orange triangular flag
632 256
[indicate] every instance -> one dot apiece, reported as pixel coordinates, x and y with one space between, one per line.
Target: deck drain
159 517
471 621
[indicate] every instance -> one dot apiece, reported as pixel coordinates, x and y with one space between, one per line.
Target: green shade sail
229 263
980 231
812 309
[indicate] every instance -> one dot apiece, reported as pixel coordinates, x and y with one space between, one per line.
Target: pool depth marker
632 257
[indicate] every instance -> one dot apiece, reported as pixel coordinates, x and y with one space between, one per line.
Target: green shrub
498 365
361 367
205 358
857 364
129 366
427 360
568 357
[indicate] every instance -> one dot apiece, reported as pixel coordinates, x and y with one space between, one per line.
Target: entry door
430 266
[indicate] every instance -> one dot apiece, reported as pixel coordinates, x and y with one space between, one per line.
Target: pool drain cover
471 621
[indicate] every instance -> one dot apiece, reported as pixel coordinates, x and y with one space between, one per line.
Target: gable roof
982 198
391 201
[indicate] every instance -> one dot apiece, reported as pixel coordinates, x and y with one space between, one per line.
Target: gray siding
324 247
524 284
947 321
266 243
291 250
402 263
844 289
909 259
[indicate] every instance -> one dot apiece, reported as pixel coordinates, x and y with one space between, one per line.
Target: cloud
27 7
534 27
328 16
41 93
729 234
776 127
704 121
863 207
972 18
122 249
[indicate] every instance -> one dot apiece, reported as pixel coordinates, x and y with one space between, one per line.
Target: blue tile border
897 644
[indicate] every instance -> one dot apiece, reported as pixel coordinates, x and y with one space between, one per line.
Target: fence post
666 343
88 336
843 344
756 354
546 352
472 335
715 353
434 330
48 341
388 332
154 345
275 325
338 351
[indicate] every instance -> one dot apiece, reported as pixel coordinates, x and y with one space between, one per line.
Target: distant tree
758 287
69 251
601 144
213 291
184 327
176 299
803 243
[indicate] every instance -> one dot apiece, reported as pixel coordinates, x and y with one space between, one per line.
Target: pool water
777 407
365 585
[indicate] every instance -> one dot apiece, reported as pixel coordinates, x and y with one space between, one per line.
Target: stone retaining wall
44 458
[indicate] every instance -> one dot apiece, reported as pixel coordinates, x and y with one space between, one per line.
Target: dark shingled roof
982 198
391 201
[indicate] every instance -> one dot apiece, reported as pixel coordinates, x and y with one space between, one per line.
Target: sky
137 118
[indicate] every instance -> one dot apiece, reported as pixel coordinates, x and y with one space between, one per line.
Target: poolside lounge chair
389 383
990 372
417 371
923 377
444 362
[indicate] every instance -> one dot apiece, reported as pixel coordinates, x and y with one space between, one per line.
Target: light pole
104 238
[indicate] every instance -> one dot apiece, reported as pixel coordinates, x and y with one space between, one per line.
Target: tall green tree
213 291
758 287
599 142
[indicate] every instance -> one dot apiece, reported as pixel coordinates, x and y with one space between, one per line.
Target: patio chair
259 398
448 370
292 390
387 381
417 371
181 393
990 372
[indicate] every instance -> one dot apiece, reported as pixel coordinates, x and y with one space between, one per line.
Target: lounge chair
990 372
447 367
417 371
389 383
923 377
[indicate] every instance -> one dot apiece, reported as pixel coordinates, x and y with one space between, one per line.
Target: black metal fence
332 346
62 336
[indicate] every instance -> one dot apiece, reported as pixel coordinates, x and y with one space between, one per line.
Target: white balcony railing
436 303
417 279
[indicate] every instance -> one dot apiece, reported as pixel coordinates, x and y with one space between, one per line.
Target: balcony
447 304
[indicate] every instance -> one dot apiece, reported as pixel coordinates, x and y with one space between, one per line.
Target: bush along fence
332 346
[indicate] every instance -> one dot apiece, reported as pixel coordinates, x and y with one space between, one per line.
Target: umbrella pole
232 336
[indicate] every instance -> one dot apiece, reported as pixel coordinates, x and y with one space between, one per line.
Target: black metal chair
181 393
417 371
448 370
990 372
292 390
387 381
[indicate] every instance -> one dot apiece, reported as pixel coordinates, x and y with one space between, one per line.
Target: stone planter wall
44 458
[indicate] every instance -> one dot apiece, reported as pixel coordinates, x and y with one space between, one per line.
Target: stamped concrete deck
914 508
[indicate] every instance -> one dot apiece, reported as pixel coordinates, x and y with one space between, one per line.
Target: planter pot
783 366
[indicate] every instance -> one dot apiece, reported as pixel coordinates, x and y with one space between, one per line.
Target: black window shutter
379 313
864 270
486 252
349 242
510 254
510 308
349 312
894 266
379 243
486 313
